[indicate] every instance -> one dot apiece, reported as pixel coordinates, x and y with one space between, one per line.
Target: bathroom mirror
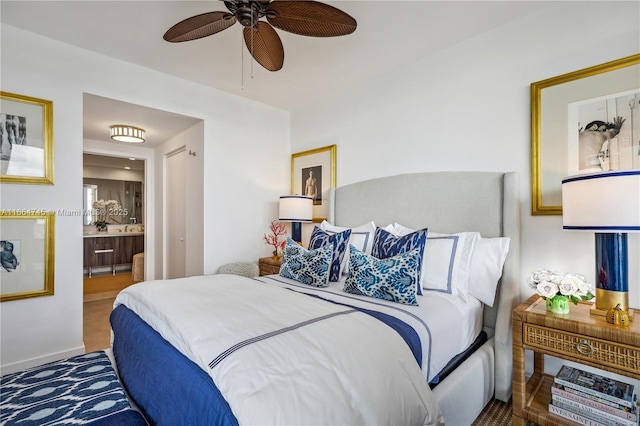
127 193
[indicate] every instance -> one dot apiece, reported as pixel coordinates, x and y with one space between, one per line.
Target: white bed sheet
445 324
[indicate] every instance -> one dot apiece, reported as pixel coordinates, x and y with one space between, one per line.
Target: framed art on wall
583 122
26 127
313 173
26 254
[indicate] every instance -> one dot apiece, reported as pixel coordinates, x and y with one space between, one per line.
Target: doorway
113 193
108 255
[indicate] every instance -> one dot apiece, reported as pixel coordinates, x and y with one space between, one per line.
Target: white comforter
281 357
445 325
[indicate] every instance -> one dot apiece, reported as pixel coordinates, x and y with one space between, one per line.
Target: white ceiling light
130 134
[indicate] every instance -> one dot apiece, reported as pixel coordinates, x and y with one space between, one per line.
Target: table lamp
296 209
609 204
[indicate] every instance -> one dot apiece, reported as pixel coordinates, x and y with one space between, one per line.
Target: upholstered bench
137 268
79 390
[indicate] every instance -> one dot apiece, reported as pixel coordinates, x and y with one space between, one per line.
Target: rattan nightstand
269 265
579 337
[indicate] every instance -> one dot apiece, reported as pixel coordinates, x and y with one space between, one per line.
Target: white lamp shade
296 208
602 202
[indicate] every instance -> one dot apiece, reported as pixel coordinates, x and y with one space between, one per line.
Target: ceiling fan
308 18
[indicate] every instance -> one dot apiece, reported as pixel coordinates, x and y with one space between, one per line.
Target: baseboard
34 362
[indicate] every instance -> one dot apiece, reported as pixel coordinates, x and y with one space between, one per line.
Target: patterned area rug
496 413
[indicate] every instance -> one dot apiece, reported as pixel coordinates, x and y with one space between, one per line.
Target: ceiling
390 34
100 113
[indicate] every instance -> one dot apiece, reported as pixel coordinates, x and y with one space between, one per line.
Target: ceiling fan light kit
308 18
129 134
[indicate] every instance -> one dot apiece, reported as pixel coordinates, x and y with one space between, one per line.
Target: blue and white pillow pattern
339 243
361 237
393 278
306 266
386 244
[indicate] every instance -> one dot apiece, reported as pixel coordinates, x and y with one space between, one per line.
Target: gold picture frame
313 173
27 253
26 150
557 107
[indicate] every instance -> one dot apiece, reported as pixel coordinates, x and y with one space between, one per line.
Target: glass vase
558 304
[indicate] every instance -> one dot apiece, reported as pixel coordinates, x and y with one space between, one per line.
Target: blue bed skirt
168 388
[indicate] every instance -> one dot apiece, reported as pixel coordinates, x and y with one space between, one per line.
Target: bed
226 349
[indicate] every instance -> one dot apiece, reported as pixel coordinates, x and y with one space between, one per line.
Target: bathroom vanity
111 249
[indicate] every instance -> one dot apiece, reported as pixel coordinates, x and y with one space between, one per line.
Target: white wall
246 172
468 108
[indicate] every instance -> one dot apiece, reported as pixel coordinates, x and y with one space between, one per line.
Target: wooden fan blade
199 26
265 46
310 18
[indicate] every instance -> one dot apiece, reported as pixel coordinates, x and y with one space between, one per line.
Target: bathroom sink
114 234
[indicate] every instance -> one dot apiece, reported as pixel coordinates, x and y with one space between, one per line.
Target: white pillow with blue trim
393 278
306 266
446 266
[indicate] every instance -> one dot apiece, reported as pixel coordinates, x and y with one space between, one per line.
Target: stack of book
592 400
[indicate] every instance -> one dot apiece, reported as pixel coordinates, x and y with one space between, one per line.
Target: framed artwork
583 122
313 173
26 254
26 127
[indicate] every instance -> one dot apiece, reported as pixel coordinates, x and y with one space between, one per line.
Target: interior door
175 208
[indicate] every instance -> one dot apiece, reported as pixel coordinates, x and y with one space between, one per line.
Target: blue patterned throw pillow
306 266
393 278
339 243
385 244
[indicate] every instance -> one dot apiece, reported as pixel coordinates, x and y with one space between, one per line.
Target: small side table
269 265
578 336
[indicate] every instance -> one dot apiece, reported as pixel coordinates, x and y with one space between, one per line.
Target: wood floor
99 294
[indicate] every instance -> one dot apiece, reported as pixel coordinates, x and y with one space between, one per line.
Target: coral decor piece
276 237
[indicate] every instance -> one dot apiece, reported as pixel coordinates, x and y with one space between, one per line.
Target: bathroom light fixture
130 134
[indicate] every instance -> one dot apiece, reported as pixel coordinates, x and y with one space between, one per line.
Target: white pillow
361 238
446 266
486 268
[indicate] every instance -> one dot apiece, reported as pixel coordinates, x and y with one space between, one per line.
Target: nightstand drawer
269 265
269 269
578 347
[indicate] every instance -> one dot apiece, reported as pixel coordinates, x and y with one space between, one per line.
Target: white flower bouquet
103 210
549 284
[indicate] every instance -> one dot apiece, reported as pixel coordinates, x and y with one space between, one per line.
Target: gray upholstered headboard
448 202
